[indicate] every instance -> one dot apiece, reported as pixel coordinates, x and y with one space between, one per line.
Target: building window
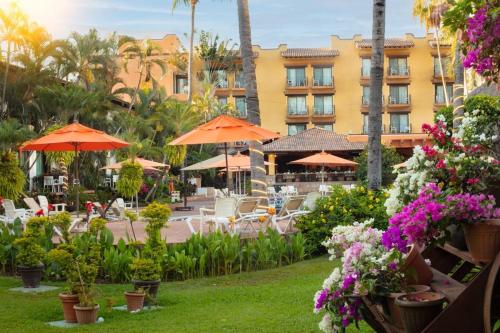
446 61
398 66
366 64
218 78
239 80
328 127
296 128
296 76
398 94
439 97
323 104
181 84
297 105
400 123
366 95
323 76
222 100
241 106
365 124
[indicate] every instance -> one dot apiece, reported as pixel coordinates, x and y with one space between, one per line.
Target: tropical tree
430 13
12 22
145 52
258 170
192 4
375 111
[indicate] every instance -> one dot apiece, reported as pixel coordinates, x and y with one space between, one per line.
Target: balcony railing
365 100
324 111
400 129
297 83
398 71
221 84
239 84
365 128
399 100
363 74
297 112
440 100
323 82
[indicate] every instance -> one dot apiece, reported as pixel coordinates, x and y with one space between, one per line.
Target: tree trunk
443 82
458 87
258 171
132 101
375 106
191 50
4 110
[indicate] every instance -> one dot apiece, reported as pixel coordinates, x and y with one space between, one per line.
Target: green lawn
278 300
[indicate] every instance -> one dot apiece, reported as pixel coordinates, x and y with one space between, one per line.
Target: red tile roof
309 53
432 43
313 140
390 43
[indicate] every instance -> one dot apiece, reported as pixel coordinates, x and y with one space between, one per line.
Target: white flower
326 324
332 280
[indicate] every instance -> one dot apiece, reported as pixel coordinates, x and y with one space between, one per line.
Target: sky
298 23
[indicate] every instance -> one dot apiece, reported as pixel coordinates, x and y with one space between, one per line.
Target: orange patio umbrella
146 164
324 159
74 137
224 129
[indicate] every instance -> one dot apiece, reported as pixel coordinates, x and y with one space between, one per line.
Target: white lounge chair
224 209
124 204
12 213
33 206
44 204
310 200
290 210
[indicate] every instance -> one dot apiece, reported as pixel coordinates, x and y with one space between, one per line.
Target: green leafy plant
8 234
145 269
116 263
30 251
341 207
131 217
62 221
12 178
130 179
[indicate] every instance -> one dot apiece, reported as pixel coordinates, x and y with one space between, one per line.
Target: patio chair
186 219
324 189
176 196
33 206
290 210
44 204
224 208
247 214
292 190
310 200
12 213
124 204
48 181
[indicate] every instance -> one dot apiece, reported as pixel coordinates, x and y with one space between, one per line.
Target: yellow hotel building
301 88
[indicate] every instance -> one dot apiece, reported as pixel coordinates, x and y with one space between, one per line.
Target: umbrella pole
227 168
322 174
76 182
244 182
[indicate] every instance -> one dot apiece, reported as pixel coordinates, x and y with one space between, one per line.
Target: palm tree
145 52
258 170
11 23
375 112
430 12
192 4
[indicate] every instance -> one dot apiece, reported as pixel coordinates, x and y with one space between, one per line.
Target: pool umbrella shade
75 137
146 164
224 129
324 159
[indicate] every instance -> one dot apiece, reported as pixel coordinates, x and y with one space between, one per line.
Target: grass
278 300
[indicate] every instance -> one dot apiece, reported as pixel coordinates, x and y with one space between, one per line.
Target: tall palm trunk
4 112
136 91
258 172
375 112
191 50
443 82
458 87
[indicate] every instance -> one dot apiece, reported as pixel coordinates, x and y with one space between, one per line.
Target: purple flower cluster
321 300
466 207
418 222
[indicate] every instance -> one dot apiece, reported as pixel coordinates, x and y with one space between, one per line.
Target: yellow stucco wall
271 82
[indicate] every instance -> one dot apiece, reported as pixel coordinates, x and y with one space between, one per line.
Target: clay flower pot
135 300
483 239
416 269
68 301
86 314
31 276
419 309
151 288
393 309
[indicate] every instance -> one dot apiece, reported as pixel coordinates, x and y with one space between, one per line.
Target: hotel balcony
365 129
365 101
323 115
400 129
298 87
364 78
448 77
439 103
398 75
222 88
396 104
297 116
323 86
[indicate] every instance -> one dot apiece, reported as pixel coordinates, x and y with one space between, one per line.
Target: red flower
441 165
51 207
429 151
472 181
39 212
89 206
1 201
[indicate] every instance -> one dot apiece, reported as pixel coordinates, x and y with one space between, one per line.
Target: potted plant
135 299
86 309
480 218
419 309
393 310
146 277
31 254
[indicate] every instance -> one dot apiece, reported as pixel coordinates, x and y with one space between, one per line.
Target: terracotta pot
68 301
86 314
151 288
135 300
483 239
31 276
457 237
419 309
416 269
393 309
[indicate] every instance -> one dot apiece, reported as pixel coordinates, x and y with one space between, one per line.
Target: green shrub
390 157
62 221
8 234
12 178
341 207
145 269
30 253
446 112
116 263
130 180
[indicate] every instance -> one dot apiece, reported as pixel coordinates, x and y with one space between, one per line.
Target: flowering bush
367 269
470 208
341 207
